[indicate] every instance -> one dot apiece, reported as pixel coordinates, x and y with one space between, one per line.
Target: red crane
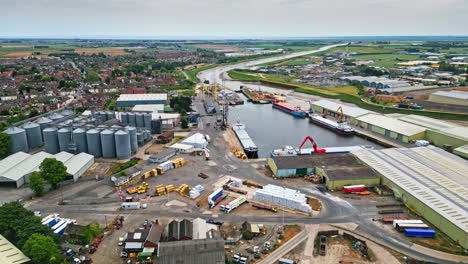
316 150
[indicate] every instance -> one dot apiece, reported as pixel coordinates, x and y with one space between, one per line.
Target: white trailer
131 206
234 204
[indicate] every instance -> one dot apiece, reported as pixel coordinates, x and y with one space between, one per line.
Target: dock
258 97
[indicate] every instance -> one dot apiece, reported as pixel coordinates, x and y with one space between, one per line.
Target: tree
108 79
92 76
123 174
207 81
184 123
17 224
5 144
53 171
36 183
42 249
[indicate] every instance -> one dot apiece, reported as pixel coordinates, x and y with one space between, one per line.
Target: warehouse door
301 172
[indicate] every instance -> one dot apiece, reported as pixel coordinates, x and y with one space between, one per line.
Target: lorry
131 206
354 188
234 204
215 195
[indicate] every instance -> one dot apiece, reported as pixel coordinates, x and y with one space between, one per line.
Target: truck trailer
354 188
214 196
420 232
234 204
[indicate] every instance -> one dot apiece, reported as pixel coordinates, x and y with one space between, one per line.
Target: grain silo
51 140
124 118
79 138
139 120
44 122
156 126
116 127
66 112
103 116
147 135
33 134
102 127
55 116
108 143
131 119
18 138
140 138
110 115
147 120
64 138
122 144
93 138
133 138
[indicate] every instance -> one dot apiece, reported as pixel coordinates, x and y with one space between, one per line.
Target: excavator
316 150
340 117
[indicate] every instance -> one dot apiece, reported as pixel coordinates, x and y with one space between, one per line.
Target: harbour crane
316 150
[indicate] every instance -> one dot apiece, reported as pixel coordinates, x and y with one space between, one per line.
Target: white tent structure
196 140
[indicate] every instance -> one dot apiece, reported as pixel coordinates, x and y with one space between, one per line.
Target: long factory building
430 181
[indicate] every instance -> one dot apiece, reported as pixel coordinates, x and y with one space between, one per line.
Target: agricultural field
386 60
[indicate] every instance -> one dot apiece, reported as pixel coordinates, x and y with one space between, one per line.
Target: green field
386 60
244 76
192 74
291 47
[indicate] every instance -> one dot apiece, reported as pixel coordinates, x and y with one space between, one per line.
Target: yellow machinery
240 155
179 162
340 117
142 188
215 96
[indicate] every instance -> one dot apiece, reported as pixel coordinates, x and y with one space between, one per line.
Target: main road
218 74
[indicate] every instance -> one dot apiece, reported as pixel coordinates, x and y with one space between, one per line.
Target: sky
232 18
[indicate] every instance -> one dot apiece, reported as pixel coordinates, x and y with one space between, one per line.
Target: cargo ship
295 111
250 149
339 127
291 151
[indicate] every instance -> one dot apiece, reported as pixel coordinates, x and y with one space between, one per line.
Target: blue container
420 232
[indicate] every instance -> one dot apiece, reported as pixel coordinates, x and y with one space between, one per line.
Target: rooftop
350 173
312 161
347 110
142 97
427 122
11 254
29 165
435 177
12 160
76 163
454 94
148 108
392 124
203 250
201 228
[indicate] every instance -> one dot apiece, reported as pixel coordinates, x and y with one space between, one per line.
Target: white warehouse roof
11 254
164 116
347 110
435 177
142 97
150 108
425 121
391 124
79 162
27 166
12 160
453 94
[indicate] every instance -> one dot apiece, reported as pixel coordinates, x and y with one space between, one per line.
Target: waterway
270 128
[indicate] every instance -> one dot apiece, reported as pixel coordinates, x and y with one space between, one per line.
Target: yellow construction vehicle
240 155
340 117
143 187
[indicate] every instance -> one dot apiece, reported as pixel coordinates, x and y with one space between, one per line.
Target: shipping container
420 232
400 227
354 188
395 222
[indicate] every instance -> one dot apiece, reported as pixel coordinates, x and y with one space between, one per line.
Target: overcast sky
221 18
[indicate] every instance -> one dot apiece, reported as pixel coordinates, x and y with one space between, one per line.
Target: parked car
123 254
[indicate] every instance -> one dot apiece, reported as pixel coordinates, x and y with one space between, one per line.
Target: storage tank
44 122
18 138
124 118
156 126
133 138
55 116
140 138
103 116
79 138
34 135
122 144
93 138
66 112
51 140
110 115
108 143
139 120
131 119
116 127
147 120
147 135
64 138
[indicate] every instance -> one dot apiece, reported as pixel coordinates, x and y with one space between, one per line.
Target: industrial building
168 121
376 82
11 254
202 251
429 180
163 155
391 127
15 169
462 151
438 132
149 108
350 113
335 178
182 148
130 100
180 230
196 140
450 97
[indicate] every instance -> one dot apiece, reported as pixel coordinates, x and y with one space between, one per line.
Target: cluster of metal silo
103 116
51 141
138 119
19 140
122 144
33 135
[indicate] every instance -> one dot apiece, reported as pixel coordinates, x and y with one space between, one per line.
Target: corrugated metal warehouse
429 180
11 254
350 113
202 251
450 97
130 100
15 169
439 132
336 178
149 108
391 127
